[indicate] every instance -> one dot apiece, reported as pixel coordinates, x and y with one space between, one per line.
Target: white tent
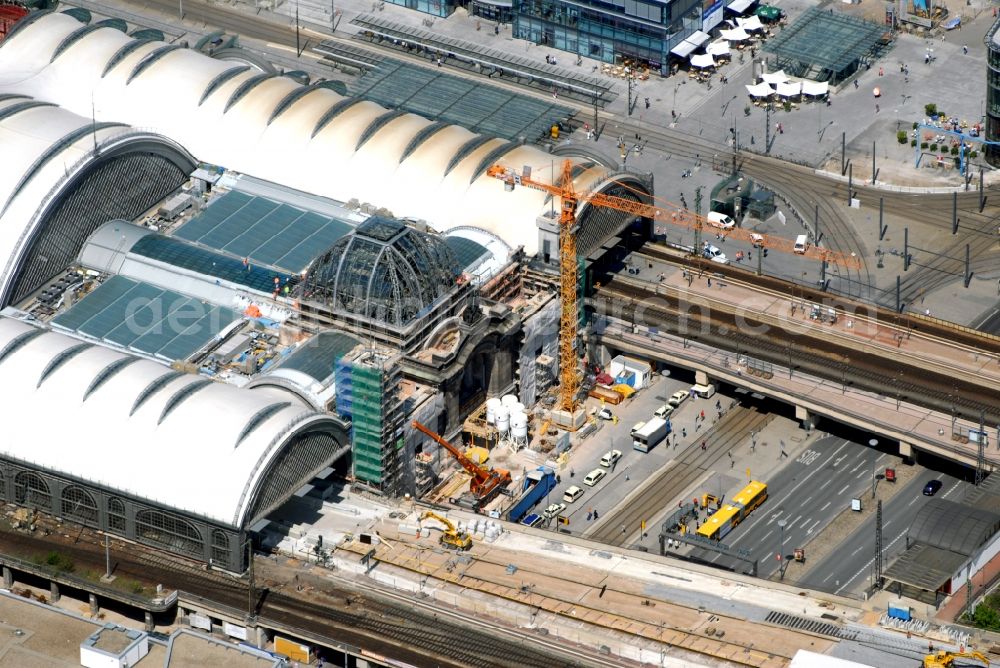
789 89
815 87
760 90
734 35
702 60
775 77
750 24
718 48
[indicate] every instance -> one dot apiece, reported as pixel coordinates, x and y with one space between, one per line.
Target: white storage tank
509 400
503 418
519 425
491 410
517 408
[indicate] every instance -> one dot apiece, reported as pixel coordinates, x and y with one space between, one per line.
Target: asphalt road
849 569
808 494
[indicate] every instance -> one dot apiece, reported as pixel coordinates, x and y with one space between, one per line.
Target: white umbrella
734 35
775 77
718 48
760 90
815 87
789 89
750 24
702 60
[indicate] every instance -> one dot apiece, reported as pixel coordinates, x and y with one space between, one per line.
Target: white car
714 254
572 494
757 240
663 411
677 398
554 510
605 414
611 458
720 220
594 477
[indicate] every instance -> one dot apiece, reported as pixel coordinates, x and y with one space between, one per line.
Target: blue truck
535 487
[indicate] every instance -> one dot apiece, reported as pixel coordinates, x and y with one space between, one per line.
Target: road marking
828 481
788 494
857 467
862 474
868 565
825 506
857 550
843 489
813 527
794 522
766 535
807 501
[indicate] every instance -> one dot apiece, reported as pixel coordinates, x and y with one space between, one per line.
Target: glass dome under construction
384 271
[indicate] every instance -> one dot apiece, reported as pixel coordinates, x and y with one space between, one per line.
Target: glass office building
992 119
612 31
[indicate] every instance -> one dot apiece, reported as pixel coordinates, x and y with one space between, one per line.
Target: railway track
341 615
804 189
819 357
679 475
963 336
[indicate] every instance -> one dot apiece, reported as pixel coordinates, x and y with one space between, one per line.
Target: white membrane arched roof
194 453
39 145
162 90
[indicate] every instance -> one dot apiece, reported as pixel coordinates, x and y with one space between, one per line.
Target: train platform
888 416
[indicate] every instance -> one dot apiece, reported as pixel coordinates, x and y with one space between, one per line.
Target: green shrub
923 145
934 147
954 150
901 136
973 154
930 109
914 125
913 142
59 561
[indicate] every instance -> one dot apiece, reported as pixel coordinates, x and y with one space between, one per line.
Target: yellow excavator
943 659
452 537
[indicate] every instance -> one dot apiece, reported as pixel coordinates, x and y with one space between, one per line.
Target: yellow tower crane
662 211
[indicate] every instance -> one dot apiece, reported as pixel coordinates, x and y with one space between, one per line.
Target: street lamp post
874 443
781 554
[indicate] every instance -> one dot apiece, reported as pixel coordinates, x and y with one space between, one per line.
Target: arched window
169 531
116 515
78 504
220 547
32 491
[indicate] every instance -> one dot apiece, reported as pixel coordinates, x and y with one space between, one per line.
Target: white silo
503 419
509 400
491 410
519 426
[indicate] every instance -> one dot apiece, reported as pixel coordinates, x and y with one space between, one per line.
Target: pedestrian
595 513
647 103
623 529
965 50
496 30
876 109
880 72
702 415
684 432
718 405
856 84
752 140
704 445
590 513
697 427
710 281
781 129
572 472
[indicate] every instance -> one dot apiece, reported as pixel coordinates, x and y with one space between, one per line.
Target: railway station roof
138 427
310 138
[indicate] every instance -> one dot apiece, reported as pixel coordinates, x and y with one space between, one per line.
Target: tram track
678 475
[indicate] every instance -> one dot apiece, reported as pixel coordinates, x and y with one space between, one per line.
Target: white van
572 494
801 244
703 391
720 220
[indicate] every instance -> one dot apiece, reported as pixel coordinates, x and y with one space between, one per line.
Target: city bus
730 515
